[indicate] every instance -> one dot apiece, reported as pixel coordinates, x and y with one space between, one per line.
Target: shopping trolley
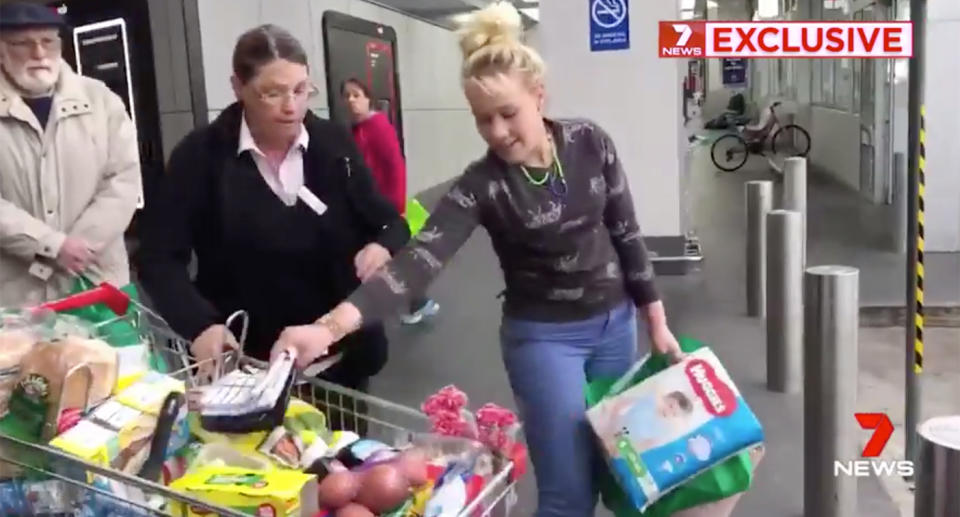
56 484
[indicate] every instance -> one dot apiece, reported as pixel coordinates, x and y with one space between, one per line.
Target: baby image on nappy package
665 430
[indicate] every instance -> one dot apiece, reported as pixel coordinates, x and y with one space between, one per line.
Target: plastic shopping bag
416 216
117 330
724 480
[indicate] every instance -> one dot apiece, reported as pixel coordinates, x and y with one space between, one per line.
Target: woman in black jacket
280 210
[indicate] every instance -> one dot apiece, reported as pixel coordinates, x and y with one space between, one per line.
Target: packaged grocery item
23 498
341 439
13 500
133 364
223 455
14 345
149 391
283 447
302 420
48 497
279 493
90 442
306 421
70 373
360 451
242 402
55 376
317 451
121 437
663 431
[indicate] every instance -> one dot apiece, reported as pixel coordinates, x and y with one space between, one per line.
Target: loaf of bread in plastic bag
14 345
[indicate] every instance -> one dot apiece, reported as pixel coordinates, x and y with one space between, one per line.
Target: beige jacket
80 177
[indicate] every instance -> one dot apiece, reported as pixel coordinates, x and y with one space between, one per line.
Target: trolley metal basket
56 484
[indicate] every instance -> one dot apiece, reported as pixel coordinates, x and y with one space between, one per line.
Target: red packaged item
499 429
448 414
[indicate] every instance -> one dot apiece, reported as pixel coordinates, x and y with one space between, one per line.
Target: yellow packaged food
245 443
149 392
90 442
279 493
305 421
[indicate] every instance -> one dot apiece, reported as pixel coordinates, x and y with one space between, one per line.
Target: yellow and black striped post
916 172
918 306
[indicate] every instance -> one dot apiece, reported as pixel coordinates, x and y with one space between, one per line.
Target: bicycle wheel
729 152
791 140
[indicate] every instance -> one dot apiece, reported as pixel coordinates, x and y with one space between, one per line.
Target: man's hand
310 342
371 258
665 343
208 348
75 255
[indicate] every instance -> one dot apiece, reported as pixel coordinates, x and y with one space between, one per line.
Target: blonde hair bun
498 23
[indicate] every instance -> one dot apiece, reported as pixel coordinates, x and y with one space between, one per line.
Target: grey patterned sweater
564 257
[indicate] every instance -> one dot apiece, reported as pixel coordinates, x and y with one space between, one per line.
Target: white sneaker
431 308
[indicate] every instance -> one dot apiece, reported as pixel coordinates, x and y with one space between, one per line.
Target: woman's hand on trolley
312 342
209 347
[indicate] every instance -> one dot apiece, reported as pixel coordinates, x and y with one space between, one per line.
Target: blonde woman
553 197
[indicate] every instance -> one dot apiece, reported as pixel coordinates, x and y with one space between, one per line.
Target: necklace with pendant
558 188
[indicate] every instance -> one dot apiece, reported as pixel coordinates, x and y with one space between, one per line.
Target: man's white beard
37 82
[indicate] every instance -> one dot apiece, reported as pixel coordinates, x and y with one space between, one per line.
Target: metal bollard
831 321
795 193
759 196
784 302
897 235
938 469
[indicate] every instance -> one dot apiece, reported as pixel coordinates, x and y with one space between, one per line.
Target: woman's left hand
370 259
665 343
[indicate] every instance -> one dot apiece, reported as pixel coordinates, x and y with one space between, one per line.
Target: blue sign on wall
734 71
609 25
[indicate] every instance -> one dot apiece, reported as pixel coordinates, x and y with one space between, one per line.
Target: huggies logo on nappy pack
718 398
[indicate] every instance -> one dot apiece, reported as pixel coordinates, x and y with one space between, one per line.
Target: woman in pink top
377 139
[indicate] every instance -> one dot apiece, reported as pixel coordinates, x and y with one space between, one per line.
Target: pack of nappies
665 430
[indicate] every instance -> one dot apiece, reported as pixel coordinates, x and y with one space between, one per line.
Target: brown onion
354 510
413 466
383 488
338 489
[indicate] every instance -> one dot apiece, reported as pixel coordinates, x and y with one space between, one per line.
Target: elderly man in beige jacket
69 166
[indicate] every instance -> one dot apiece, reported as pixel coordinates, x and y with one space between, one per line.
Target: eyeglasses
25 46
276 97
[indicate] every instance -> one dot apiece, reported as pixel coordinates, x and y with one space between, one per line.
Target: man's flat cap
23 15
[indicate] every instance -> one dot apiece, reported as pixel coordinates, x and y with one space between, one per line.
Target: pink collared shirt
288 180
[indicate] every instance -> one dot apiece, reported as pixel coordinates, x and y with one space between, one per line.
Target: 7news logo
883 430
682 39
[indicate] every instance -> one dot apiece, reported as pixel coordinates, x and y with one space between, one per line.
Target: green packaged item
416 216
117 331
731 477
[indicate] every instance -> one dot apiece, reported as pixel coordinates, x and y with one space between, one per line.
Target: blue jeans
549 365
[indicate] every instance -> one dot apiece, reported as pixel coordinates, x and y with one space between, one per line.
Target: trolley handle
107 294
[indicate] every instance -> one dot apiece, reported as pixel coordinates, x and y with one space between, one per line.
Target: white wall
943 127
632 93
438 128
835 144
